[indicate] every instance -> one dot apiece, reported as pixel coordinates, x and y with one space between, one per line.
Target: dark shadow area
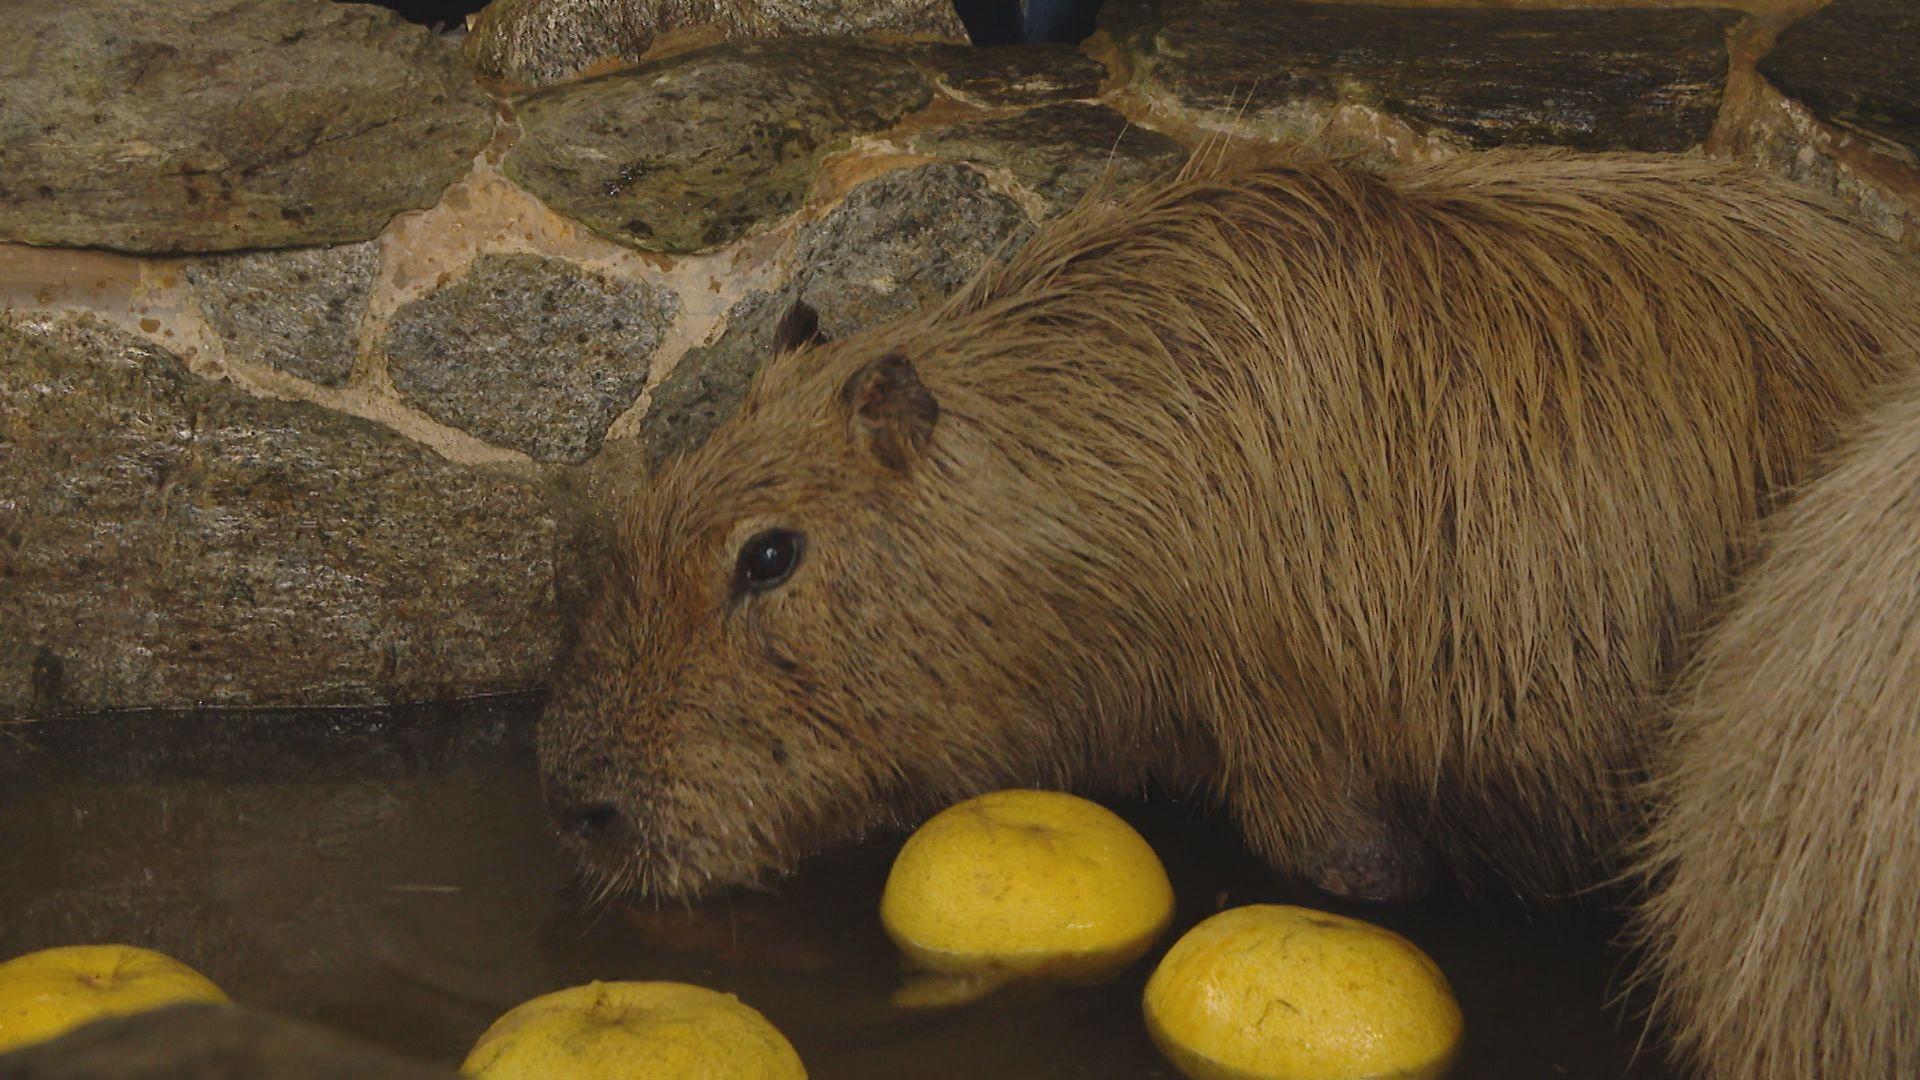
441 14
990 22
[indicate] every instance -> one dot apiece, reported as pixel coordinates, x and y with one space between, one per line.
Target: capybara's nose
588 821
581 811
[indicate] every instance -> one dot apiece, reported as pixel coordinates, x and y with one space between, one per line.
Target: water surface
390 873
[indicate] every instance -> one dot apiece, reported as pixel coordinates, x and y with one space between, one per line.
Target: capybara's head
795 638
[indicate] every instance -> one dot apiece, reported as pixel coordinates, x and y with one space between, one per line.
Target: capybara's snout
580 788
579 814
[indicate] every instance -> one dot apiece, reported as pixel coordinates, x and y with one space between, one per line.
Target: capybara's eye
768 559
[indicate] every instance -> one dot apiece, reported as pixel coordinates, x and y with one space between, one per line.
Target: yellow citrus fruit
1019 884
1273 992
48 993
633 1031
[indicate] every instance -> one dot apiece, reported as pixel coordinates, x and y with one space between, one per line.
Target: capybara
1379 507
1784 926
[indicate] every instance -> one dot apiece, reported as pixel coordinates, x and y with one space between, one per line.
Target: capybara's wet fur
1382 508
1785 921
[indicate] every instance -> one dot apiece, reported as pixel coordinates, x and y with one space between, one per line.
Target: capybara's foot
1381 867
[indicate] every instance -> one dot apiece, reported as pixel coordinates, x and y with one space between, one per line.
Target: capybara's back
1784 926
1381 508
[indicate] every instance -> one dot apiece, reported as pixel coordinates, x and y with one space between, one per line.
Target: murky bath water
390 874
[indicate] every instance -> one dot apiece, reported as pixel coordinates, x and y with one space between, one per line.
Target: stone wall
323 360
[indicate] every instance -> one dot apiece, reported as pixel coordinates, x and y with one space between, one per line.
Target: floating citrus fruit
1271 992
1022 884
633 1031
48 993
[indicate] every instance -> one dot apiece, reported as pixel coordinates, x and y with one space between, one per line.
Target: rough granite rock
1853 63
709 382
296 310
701 149
1760 126
1059 151
215 125
170 541
1014 76
207 1041
1630 79
894 244
529 352
538 42
902 241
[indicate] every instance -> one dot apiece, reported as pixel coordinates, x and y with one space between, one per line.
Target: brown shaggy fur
1785 925
1373 505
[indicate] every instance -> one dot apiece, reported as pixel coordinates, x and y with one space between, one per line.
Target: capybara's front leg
1376 862
1337 840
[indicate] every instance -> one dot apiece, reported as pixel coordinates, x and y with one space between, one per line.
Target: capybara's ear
798 328
890 410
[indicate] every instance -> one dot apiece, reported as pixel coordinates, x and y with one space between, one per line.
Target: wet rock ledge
327 344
